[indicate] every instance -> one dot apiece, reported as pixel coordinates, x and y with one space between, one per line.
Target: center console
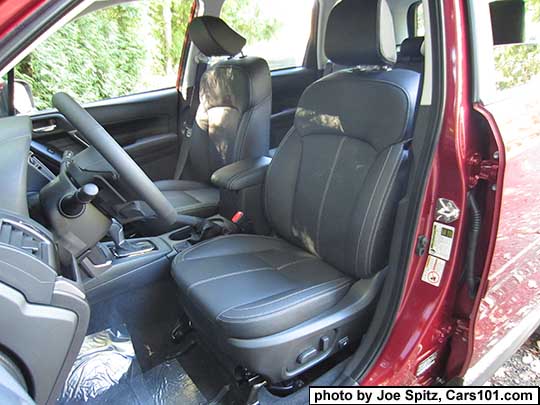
121 264
113 264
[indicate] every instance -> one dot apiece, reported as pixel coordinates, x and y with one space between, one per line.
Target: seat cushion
249 286
190 197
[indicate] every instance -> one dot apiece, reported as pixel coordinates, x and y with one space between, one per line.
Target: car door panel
287 87
144 124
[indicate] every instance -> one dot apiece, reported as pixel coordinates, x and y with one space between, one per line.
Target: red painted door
14 12
510 308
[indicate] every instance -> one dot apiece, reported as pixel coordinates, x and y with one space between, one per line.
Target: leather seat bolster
180 185
231 245
261 286
242 174
282 311
190 197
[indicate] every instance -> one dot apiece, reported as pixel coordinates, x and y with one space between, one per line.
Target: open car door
507 309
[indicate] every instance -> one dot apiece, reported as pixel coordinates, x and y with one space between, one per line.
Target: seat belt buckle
237 218
241 222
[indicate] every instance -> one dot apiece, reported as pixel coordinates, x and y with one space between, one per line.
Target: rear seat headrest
412 48
361 32
213 37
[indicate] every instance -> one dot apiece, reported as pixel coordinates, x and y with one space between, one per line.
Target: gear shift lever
116 232
125 248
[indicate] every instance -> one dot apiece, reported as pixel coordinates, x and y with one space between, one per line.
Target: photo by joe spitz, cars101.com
269 202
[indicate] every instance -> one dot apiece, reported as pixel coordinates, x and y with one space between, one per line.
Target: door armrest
242 174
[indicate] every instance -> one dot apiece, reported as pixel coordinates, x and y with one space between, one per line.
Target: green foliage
516 64
533 7
245 17
170 24
94 57
124 49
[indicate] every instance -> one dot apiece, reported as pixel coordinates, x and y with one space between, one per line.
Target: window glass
516 107
116 51
518 64
276 30
419 30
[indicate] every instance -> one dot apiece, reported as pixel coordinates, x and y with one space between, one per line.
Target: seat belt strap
328 68
187 123
11 92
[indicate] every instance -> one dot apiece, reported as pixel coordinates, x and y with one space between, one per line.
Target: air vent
25 238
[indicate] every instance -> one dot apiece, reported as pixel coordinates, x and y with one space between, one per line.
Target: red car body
13 13
445 320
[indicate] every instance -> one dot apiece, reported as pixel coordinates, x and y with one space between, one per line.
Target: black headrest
361 32
214 37
412 48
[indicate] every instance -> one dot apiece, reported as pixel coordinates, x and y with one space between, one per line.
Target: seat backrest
233 117
335 181
411 54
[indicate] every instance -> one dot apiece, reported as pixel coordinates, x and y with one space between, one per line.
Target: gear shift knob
116 232
126 248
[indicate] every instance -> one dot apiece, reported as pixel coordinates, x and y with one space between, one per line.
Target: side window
419 30
518 64
516 102
276 30
123 49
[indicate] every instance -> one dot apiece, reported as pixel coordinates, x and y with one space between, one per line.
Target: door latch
481 169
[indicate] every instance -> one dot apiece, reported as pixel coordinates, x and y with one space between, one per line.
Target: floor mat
107 371
147 316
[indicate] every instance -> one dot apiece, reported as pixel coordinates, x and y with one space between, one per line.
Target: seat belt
11 93
328 68
187 123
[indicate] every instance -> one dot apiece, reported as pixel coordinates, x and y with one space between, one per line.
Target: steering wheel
118 158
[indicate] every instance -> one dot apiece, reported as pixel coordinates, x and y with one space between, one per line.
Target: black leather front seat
232 121
411 54
278 305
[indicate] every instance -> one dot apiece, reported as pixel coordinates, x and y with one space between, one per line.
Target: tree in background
170 24
245 17
534 8
517 64
97 56
124 49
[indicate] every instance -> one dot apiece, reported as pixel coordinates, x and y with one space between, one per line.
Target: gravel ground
523 368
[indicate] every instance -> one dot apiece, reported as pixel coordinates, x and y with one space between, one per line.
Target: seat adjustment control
343 342
324 343
307 355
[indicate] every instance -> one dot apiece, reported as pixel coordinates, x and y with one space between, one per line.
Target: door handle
45 129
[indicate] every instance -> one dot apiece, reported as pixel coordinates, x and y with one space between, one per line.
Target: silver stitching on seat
375 228
367 211
244 319
198 283
306 259
326 188
347 281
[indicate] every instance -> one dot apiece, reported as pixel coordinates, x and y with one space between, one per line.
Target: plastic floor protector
106 371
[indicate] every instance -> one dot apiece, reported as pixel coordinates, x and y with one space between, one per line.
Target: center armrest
242 174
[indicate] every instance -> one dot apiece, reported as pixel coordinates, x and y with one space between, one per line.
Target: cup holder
181 234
